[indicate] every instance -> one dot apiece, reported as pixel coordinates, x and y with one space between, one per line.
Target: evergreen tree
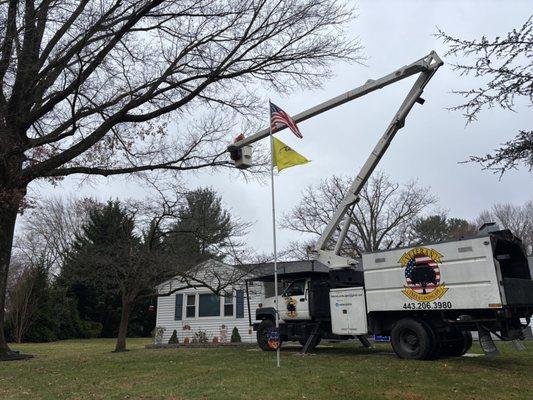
174 338
204 229
102 265
102 241
235 336
438 228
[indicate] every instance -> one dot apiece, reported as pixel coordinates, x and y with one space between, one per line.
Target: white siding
211 325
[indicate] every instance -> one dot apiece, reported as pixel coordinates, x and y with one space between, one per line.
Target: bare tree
381 218
506 64
25 295
519 219
50 227
89 86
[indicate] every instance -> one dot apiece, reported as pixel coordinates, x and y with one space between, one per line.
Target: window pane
190 311
190 300
270 290
228 300
297 288
228 310
209 305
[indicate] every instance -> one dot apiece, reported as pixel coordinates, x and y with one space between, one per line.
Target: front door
295 301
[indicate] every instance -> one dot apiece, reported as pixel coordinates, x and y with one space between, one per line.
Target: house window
228 306
191 306
208 305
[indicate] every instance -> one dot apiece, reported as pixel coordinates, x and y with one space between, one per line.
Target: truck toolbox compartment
348 311
518 292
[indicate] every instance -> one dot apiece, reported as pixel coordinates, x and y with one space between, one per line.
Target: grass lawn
86 369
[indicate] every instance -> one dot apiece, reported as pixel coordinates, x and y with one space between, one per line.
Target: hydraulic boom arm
426 67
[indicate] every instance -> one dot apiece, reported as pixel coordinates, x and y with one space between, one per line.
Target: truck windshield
297 288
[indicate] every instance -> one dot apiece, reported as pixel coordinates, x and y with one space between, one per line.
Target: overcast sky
429 147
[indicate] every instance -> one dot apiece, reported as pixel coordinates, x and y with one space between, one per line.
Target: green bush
40 334
235 336
90 329
174 338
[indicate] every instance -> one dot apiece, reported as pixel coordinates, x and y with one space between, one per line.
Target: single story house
194 310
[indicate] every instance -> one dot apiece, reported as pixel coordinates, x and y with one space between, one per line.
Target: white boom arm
426 67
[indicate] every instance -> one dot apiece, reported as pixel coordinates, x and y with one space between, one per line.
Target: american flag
279 119
417 262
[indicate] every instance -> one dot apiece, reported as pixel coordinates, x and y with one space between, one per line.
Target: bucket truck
427 298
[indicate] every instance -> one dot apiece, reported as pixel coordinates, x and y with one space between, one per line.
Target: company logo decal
291 307
422 274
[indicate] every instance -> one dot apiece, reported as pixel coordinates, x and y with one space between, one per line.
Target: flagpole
274 231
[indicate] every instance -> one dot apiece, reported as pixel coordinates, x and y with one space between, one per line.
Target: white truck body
465 273
466 277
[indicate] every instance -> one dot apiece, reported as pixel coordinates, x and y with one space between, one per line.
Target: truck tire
411 339
459 342
314 343
436 345
262 334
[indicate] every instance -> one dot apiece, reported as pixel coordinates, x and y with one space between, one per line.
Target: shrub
174 338
40 334
90 329
215 339
186 340
235 336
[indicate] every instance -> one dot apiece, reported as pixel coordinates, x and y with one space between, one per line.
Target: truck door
295 301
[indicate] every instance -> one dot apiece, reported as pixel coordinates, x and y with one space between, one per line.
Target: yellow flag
285 157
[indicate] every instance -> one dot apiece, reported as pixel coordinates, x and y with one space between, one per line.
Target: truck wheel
262 334
436 345
459 343
468 341
410 339
314 343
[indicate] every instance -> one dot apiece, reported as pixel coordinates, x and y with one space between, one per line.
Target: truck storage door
348 311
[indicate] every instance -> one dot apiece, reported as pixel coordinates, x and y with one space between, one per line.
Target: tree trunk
8 217
123 328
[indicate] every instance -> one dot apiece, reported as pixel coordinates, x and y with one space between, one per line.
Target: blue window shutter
179 307
240 304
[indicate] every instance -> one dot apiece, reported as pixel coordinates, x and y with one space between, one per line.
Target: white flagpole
274 230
